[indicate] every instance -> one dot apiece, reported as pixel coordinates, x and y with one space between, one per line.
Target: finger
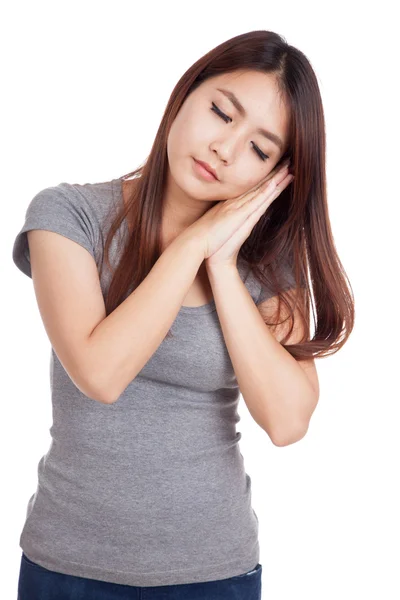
265 199
284 167
250 194
270 190
266 187
255 216
275 171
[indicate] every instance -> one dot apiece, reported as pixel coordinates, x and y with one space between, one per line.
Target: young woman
213 252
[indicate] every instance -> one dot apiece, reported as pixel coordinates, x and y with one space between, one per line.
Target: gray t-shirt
151 490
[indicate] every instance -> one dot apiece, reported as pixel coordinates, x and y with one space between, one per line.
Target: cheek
247 179
178 143
180 132
244 184
171 144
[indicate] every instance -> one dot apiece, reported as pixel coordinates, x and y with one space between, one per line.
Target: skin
199 132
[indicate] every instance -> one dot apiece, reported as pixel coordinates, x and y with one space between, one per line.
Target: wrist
221 269
191 243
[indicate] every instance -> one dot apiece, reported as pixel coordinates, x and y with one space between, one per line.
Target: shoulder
75 211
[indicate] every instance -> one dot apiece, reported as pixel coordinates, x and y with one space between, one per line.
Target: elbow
103 391
288 438
106 398
98 390
110 392
97 395
91 392
92 379
106 395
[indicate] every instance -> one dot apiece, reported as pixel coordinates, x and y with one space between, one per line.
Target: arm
125 340
280 392
103 354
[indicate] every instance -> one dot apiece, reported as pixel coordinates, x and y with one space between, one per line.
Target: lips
208 168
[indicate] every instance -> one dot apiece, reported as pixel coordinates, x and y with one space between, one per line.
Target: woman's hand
223 228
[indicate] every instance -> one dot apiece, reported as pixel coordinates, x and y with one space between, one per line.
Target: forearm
275 388
125 340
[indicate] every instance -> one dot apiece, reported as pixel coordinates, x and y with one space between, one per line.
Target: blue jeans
37 583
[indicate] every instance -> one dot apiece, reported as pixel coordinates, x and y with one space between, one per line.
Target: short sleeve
287 281
62 209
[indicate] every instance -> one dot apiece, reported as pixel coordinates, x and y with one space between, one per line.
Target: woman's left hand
226 255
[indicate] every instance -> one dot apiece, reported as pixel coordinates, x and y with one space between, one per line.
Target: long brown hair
296 228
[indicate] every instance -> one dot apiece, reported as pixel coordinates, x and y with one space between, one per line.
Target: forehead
253 84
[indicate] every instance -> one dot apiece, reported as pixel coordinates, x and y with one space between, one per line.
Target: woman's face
210 128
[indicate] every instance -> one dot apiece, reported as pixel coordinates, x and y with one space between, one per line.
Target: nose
222 156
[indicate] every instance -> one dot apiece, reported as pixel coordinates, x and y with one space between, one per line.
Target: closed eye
228 120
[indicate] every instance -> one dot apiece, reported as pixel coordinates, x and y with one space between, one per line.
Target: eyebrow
241 110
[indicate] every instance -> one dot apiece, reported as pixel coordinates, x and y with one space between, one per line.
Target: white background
84 87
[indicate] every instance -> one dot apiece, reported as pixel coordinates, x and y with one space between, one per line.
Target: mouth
206 170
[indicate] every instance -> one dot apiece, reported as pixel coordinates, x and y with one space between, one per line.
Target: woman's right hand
220 222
